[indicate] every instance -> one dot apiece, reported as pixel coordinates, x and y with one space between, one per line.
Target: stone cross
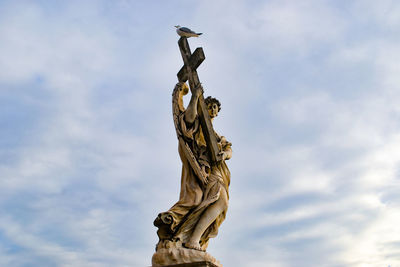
188 72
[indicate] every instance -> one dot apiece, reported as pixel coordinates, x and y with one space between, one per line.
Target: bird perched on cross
186 32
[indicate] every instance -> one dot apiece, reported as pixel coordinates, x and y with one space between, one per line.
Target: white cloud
315 165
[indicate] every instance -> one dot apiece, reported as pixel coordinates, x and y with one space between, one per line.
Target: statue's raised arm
191 111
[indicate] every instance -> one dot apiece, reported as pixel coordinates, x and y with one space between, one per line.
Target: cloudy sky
310 94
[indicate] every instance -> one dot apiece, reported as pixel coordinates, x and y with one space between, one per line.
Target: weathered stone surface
194 264
174 254
185 229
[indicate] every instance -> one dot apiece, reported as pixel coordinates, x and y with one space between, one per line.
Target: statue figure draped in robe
203 202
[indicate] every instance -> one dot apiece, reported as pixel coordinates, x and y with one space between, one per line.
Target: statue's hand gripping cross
188 72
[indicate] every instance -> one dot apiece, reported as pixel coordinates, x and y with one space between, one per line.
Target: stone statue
185 229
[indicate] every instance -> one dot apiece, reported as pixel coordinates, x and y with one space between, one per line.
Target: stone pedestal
173 254
194 264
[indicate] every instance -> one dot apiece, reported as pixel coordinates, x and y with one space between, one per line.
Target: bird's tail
199 33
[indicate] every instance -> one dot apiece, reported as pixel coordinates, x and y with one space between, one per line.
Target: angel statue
185 229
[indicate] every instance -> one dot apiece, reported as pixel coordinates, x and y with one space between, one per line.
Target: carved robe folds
178 223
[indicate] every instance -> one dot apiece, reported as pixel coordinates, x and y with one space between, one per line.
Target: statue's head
213 106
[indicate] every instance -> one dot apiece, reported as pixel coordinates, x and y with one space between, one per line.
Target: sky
310 94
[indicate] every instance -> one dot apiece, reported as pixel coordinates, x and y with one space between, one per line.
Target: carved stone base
194 264
173 254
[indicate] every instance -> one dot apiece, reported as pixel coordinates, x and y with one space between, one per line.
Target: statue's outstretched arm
191 110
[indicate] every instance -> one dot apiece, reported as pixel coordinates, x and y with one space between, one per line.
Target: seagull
186 32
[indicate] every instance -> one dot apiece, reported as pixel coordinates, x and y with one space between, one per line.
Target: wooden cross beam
188 72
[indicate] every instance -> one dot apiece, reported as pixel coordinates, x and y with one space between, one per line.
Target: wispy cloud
309 94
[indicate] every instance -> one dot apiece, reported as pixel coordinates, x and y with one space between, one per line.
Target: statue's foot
193 245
